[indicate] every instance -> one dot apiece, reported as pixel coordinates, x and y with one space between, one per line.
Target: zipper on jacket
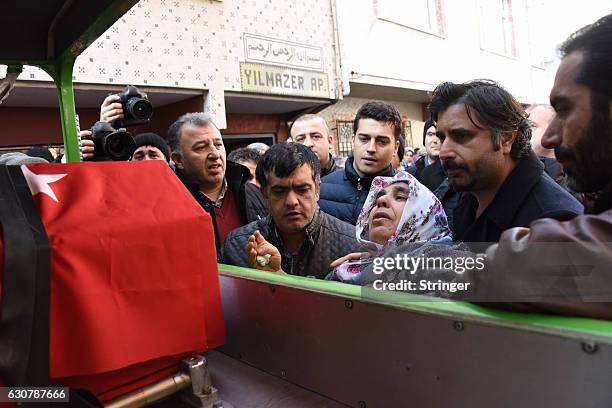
359 187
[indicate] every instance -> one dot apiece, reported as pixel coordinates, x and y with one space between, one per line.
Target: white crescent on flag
39 183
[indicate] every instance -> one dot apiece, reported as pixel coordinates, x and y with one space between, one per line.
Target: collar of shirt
219 202
311 232
510 196
363 183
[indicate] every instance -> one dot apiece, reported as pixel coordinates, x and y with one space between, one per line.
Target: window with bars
408 140
345 138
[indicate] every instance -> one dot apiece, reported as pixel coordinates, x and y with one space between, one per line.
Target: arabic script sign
271 79
270 50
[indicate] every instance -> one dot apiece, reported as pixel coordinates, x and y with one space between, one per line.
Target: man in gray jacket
301 239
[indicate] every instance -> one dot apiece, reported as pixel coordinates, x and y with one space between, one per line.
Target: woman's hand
350 257
262 254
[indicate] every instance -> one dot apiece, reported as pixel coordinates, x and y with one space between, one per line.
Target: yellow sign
270 79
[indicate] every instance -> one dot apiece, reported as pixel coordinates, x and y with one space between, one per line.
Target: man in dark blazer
487 156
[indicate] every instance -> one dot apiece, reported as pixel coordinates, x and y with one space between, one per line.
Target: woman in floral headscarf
397 210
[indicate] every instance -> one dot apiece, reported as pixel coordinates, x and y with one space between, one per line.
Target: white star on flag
39 183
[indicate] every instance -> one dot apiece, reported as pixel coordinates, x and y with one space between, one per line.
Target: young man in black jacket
432 152
219 186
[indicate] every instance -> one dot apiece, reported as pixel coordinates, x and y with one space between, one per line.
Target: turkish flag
134 284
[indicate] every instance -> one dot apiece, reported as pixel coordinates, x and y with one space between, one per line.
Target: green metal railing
551 324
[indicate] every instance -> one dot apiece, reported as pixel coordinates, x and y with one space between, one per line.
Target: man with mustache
560 266
487 156
221 187
377 128
307 239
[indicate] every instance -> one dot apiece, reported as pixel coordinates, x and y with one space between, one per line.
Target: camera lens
140 109
115 147
119 146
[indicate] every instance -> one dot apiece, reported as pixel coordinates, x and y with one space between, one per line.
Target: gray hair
18 158
199 119
259 147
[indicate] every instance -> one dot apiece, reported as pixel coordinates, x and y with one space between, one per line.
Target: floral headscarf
423 219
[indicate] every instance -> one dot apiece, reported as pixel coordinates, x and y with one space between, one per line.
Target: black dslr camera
117 145
137 109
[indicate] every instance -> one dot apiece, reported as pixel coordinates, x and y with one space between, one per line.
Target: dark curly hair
487 104
380 112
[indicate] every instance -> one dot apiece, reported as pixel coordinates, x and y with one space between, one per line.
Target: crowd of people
492 172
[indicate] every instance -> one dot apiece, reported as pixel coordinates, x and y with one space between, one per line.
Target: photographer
147 146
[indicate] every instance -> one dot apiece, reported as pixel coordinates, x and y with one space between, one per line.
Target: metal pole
152 393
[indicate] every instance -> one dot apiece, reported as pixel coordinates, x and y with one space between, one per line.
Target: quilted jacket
327 239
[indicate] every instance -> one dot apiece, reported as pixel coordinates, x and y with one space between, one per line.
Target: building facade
251 64
398 51
255 65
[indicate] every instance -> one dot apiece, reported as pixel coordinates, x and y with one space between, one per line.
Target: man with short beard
554 266
568 264
485 151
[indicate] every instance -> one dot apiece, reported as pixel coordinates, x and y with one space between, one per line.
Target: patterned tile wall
198 44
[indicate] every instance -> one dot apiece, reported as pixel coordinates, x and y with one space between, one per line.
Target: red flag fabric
135 283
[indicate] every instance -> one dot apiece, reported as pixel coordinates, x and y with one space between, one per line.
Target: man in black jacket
298 238
428 169
486 154
432 151
220 187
